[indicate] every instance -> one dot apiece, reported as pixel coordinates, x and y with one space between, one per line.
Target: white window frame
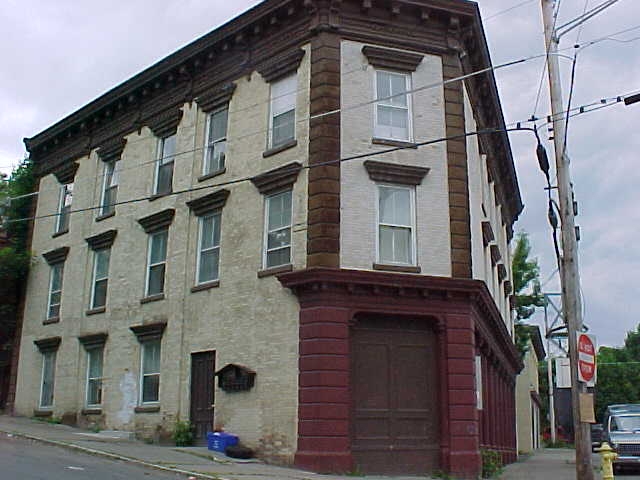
294 94
408 79
413 226
149 265
95 279
91 351
110 171
478 368
265 249
45 354
159 162
143 346
63 219
55 266
217 220
209 144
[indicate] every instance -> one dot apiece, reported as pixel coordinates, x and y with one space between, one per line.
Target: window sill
91 411
156 196
280 148
61 232
147 409
152 298
99 218
51 320
41 413
396 268
393 143
205 286
207 176
94 311
267 272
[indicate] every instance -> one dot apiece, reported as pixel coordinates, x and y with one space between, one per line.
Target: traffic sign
586 359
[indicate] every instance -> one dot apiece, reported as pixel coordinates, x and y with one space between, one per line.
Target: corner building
336 315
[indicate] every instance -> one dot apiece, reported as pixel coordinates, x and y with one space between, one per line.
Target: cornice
278 179
216 97
112 150
157 221
93 340
58 255
209 203
394 173
149 331
392 59
48 344
281 65
66 172
102 240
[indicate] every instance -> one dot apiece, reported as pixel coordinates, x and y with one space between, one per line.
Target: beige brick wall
358 191
525 383
247 320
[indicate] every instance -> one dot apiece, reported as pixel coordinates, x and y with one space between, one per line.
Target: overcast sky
57 56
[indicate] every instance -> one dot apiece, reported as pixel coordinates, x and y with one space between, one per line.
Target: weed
491 463
183 434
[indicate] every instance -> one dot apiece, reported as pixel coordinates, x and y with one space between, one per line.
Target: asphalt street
28 460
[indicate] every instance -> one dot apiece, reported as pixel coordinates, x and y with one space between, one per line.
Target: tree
526 288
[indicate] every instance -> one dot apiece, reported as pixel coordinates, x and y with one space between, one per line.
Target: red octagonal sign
586 358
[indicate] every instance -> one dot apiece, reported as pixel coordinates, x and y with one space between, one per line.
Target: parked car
596 436
621 429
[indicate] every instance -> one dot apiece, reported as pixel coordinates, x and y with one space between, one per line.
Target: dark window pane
156 280
284 127
150 388
165 178
100 294
279 257
94 392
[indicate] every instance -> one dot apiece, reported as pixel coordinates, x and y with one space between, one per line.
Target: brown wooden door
202 394
395 397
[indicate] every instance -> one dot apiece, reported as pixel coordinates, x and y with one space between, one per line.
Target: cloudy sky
57 56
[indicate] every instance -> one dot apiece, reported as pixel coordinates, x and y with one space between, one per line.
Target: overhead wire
506 10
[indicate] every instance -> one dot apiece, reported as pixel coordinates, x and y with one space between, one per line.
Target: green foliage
526 278
21 182
491 463
14 264
183 434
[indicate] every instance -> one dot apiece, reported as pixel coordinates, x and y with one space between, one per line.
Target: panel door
202 394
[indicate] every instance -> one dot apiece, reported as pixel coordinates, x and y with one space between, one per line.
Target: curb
112 456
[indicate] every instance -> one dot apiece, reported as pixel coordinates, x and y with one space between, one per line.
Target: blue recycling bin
218 441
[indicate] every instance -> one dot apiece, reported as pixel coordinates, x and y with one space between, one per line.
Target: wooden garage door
395 396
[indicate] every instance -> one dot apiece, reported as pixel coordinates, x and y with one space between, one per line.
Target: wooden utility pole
569 274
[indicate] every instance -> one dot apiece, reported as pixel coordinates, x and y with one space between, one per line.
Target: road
27 460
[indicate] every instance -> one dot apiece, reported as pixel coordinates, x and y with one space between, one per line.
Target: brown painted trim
208 176
280 148
393 143
507 288
209 203
102 240
112 150
42 413
166 123
147 409
93 340
95 311
487 233
205 286
496 256
91 411
56 256
268 272
281 65
59 233
396 268
48 344
149 331
152 298
392 59
66 172
502 272
49 321
157 221
156 196
281 178
99 218
395 173
216 98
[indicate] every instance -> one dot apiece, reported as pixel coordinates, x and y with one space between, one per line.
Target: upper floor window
216 142
55 290
164 165
209 248
64 207
282 122
393 105
396 225
277 243
109 188
100 277
156 263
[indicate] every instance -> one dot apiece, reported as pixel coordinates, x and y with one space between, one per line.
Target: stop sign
586 358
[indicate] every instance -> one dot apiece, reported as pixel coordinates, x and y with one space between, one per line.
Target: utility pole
569 274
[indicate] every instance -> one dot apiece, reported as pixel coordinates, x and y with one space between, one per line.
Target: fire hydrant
608 456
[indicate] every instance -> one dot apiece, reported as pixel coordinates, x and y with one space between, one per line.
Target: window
100 277
164 165
216 143
64 207
478 368
94 376
150 372
396 232
156 265
282 123
278 230
48 378
55 290
393 110
110 188
209 250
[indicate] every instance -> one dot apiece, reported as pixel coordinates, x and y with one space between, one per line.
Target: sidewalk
549 464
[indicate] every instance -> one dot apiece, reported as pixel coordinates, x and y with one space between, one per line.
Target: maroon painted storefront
465 321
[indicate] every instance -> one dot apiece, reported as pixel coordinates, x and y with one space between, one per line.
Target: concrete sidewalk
550 464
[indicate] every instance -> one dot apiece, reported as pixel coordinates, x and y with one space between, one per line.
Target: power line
506 10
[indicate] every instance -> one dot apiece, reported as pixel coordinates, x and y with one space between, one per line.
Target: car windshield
626 423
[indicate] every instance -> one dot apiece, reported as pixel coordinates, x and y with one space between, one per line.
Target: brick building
356 311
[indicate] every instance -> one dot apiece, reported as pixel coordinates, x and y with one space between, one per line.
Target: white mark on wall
129 392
